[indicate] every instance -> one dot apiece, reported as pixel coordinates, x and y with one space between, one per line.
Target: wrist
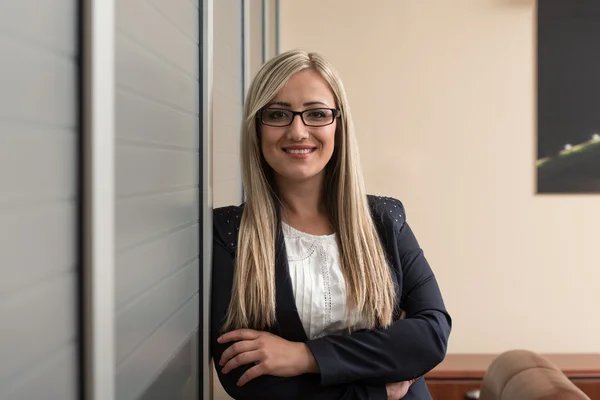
309 363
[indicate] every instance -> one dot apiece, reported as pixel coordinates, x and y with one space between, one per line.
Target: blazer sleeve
406 349
268 387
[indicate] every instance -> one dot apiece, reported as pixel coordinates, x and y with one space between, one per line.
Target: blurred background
119 132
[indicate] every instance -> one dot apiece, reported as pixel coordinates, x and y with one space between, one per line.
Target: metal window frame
97 48
245 4
245 47
277 27
265 30
206 222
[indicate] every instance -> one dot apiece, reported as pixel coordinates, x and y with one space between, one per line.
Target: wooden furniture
461 373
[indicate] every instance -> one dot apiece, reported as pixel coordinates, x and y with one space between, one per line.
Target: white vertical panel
99 135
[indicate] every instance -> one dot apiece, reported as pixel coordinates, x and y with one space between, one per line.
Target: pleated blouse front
318 284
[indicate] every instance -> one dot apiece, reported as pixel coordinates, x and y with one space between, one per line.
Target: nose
297 130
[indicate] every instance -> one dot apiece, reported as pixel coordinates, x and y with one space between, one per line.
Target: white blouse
318 284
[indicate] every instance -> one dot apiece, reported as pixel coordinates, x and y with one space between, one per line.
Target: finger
237 348
239 334
252 373
241 359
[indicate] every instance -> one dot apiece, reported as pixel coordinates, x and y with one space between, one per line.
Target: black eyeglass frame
334 111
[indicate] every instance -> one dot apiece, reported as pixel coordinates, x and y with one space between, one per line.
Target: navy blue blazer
352 366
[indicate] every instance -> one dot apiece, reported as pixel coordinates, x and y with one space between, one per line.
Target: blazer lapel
288 321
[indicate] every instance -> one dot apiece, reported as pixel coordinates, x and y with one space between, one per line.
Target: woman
310 275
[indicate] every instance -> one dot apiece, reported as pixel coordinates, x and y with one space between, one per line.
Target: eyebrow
284 104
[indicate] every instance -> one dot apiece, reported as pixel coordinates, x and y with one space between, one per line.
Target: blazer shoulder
387 211
226 225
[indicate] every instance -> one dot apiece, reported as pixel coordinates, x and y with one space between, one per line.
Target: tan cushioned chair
525 375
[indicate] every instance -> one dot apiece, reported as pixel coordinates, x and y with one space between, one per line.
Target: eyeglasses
314 117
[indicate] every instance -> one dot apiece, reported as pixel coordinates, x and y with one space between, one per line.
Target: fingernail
220 339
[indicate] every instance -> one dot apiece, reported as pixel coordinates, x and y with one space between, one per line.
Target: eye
276 115
318 114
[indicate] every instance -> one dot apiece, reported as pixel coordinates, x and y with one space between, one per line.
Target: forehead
306 86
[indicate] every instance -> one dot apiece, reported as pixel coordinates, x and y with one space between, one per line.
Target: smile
299 151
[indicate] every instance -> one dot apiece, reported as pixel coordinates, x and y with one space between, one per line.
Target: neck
302 199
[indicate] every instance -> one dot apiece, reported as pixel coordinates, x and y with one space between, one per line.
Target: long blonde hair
370 288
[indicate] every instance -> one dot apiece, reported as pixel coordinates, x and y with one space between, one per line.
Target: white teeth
294 151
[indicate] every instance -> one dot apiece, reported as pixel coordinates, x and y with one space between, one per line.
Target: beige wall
227 114
227 102
255 38
270 9
443 98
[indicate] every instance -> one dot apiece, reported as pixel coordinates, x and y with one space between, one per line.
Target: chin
299 176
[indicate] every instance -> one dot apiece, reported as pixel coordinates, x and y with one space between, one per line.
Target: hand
271 354
397 390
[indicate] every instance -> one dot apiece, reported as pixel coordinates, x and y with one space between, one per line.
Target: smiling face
297 152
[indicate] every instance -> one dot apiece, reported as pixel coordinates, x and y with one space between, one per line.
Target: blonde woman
310 275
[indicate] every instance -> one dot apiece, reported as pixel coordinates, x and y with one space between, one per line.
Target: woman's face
297 152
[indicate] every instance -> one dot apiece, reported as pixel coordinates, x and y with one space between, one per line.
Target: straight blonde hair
370 288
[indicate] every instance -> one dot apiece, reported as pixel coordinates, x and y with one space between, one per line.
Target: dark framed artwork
568 96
